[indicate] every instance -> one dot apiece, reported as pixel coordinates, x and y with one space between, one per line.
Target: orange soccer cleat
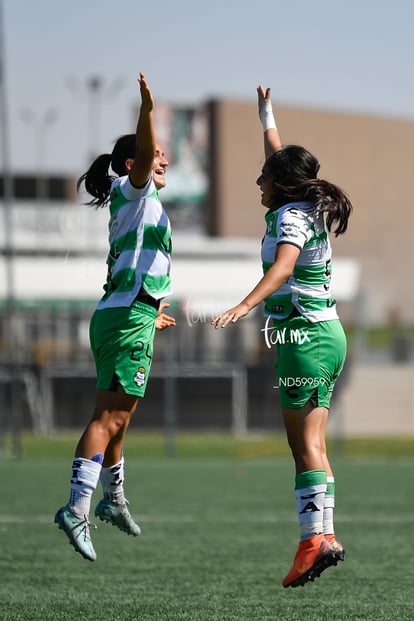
314 555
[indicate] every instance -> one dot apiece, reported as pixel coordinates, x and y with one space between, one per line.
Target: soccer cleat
337 546
78 532
313 556
117 515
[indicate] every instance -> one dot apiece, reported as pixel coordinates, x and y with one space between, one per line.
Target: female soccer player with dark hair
296 255
123 325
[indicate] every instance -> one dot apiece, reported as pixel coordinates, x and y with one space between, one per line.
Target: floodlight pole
94 84
8 251
98 93
40 126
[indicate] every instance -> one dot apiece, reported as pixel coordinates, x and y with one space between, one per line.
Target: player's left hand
147 102
264 99
162 320
231 315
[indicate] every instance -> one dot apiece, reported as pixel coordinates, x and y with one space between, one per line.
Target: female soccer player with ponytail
296 254
123 325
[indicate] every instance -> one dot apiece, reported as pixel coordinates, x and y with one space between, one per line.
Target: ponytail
97 181
329 199
295 177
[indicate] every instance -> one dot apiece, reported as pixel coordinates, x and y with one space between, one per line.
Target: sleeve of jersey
293 227
132 193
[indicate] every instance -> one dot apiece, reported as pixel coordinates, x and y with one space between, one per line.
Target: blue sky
342 55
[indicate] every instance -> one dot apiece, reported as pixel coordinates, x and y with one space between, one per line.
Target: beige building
369 157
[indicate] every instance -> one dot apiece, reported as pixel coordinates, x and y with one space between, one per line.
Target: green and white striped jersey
140 245
308 289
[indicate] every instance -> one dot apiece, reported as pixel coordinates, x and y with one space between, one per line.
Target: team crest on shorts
139 377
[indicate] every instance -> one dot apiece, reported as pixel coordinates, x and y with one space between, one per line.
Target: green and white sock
85 477
112 479
328 507
310 489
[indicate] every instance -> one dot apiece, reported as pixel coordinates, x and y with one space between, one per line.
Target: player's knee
117 422
111 423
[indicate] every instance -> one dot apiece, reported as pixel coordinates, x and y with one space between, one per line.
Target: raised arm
272 141
145 138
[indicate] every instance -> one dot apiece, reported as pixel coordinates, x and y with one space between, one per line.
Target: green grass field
219 534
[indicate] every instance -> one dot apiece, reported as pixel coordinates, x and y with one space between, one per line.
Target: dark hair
97 178
294 172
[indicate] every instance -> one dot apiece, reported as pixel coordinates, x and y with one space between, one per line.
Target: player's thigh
310 358
123 348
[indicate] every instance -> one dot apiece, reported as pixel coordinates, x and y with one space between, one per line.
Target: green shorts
122 344
310 359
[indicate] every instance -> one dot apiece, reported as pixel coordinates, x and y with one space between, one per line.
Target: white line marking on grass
224 519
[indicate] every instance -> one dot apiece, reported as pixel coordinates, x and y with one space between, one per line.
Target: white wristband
266 115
